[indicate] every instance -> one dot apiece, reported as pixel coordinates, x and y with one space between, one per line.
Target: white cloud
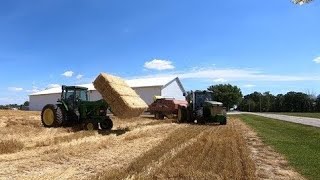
158 64
79 76
33 90
249 86
15 89
243 75
36 89
68 74
236 74
53 86
219 80
317 60
301 2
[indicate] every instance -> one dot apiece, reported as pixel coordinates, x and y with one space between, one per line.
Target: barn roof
134 83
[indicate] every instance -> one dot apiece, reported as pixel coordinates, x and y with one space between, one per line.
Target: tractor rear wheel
60 115
157 115
51 116
223 121
106 125
182 115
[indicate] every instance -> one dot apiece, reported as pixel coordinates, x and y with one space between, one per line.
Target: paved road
300 120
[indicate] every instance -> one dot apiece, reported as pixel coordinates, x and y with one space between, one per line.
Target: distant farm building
147 88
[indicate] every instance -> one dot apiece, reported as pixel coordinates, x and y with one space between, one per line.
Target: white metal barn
147 88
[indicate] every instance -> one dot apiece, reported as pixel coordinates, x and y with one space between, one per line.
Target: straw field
139 148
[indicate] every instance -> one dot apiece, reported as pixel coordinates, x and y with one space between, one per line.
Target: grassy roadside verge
300 144
311 115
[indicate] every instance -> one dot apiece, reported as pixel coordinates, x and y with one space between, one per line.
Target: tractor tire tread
59 116
107 125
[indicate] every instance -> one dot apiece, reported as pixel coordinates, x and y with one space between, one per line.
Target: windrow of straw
122 99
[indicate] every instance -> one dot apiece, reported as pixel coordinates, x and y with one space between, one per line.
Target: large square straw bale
122 99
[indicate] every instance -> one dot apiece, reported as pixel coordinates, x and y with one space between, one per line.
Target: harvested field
139 148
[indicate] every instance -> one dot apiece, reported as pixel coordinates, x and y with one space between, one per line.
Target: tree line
289 102
15 106
265 102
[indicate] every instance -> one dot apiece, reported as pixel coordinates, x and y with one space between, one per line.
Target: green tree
267 102
252 105
290 102
26 103
227 94
279 103
251 102
317 106
297 102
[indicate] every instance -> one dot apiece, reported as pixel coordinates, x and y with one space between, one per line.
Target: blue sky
258 45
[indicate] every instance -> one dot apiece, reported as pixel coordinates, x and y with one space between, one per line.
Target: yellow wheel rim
90 126
48 117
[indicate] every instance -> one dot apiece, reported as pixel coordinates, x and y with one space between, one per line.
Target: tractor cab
73 95
200 97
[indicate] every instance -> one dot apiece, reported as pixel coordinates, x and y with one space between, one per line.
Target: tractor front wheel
223 121
106 125
90 126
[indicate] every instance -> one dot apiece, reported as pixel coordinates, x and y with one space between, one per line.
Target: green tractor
202 109
75 108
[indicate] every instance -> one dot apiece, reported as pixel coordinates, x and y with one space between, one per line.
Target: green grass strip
300 144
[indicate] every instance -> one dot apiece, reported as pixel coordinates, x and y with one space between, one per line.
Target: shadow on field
150 117
207 124
117 132
199 124
75 128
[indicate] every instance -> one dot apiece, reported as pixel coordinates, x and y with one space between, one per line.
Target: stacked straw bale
123 100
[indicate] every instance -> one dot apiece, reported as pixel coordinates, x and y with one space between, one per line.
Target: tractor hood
213 103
